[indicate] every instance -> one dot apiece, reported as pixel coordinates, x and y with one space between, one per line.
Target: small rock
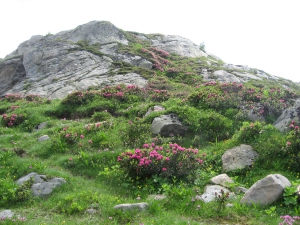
222 179
91 211
157 197
43 138
210 192
6 214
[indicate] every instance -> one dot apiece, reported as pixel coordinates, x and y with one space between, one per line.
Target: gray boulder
238 158
139 206
46 188
41 185
211 191
178 45
40 126
285 119
168 125
266 191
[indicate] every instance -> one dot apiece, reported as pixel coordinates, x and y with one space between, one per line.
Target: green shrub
135 133
248 133
101 116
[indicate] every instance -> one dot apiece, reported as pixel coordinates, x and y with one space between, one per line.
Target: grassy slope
90 168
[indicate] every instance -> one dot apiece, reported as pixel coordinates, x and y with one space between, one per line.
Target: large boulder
168 125
288 115
266 191
238 157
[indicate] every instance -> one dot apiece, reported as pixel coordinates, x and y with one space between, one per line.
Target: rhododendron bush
166 161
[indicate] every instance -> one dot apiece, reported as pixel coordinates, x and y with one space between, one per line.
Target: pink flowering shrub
268 102
157 57
12 97
12 119
292 149
166 161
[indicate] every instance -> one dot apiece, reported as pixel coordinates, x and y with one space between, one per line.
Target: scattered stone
41 185
46 188
157 197
140 206
40 126
240 190
91 211
6 214
222 179
210 193
154 109
266 191
168 125
238 158
43 138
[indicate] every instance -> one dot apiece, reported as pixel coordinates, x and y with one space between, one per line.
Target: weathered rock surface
55 65
178 45
238 158
94 32
140 206
222 179
288 115
168 125
266 191
41 185
211 191
12 71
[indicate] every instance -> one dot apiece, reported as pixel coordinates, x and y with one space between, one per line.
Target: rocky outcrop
53 66
178 45
238 158
12 71
266 191
94 32
291 114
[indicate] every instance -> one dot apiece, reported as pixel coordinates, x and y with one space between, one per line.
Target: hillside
105 117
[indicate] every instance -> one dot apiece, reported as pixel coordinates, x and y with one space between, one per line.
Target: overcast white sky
262 34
